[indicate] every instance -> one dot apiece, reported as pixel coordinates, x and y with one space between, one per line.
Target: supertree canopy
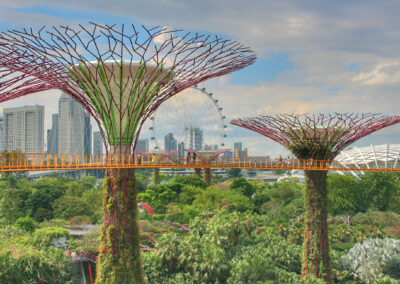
121 75
316 137
22 73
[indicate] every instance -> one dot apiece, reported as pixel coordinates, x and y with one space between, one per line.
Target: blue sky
313 56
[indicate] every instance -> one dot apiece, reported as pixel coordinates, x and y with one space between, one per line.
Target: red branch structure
121 74
316 137
22 73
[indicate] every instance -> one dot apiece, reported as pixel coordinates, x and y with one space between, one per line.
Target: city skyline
325 58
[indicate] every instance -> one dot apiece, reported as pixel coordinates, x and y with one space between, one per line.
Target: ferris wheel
192 118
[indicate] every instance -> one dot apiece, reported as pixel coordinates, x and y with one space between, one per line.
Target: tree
26 223
378 188
14 203
243 186
191 180
234 173
67 207
344 194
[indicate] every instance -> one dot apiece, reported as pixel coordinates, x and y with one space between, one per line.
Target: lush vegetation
236 231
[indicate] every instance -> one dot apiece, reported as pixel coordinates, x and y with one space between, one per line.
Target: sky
313 56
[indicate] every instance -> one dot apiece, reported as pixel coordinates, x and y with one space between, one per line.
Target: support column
207 176
315 259
197 172
119 258
156 176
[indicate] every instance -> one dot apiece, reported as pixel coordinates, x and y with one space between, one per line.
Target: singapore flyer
192 119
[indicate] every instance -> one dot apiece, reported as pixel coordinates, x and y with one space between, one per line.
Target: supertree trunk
119 258
316 247
197 172
156 176
207 176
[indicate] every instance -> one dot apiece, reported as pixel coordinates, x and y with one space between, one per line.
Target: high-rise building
237 149
196 138
97 143
52 135
181 147
87 135
74 129
170 142
23 129
142 145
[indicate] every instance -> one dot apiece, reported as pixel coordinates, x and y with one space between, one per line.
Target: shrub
44 236
367 261
67 207
29 265
26 223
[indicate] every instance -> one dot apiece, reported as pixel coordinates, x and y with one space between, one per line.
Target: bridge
15 161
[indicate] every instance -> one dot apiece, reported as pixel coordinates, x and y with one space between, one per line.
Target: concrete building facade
97 143
74 129
23 129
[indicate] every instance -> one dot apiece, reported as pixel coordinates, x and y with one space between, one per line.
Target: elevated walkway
43 161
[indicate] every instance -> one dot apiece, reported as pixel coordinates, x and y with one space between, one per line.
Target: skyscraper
196 138
237 149
97 143
52 135
142 145
74 129
181 147
170 142
23 129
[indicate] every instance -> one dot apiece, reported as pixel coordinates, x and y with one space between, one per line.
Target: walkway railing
45 161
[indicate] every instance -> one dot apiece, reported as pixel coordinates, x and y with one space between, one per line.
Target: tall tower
97 143
74 129
23 129
142 145
237 148
170 142
196 138
181 147
52 135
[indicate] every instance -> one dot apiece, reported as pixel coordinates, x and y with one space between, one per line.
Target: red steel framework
121 74
313 138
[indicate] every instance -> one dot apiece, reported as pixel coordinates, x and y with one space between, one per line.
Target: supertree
121 75
207 157
316 137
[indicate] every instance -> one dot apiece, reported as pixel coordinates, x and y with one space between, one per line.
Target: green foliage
13 203
67 207
234 173
189 212
29 265
343 194
367 261
379 188
191 180
259 198
243 186
372 217
189 194
224 249
26 223
44 236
